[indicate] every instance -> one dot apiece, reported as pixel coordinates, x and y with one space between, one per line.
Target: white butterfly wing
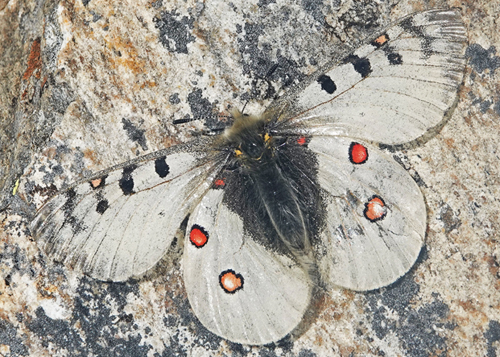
237 288
122 222
390 90
375 219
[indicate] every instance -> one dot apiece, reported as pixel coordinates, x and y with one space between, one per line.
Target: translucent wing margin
375 217
237 288
390 90
121 222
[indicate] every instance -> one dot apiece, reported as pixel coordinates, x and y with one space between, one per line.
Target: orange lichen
126 55
34 61
449 142
91 155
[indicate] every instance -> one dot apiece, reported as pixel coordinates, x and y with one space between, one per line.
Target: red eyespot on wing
358 154
95 183
381 39
301 141
230 282
198 236
375 209
98 182
220 183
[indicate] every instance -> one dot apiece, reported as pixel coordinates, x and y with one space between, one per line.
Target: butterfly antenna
207 131
244 106
266 77
184 120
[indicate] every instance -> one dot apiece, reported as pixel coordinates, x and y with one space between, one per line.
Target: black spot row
361 65
126 182
102 206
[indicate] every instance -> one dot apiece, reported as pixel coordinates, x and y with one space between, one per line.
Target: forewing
237 288
391 90
375 217
121 222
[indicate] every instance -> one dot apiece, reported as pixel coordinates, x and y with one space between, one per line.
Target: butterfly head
249 139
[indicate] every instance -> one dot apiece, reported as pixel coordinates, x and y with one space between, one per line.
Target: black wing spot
394 58
102 206
70 203
127 182
68 208
70 195
327 84
161 167
361 65
418 31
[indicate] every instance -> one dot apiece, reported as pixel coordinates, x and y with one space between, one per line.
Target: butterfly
277 203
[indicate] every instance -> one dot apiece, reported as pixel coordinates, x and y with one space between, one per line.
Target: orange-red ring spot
198 236
230 282
375 209
358 154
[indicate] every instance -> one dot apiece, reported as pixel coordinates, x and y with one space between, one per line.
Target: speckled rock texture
88 84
